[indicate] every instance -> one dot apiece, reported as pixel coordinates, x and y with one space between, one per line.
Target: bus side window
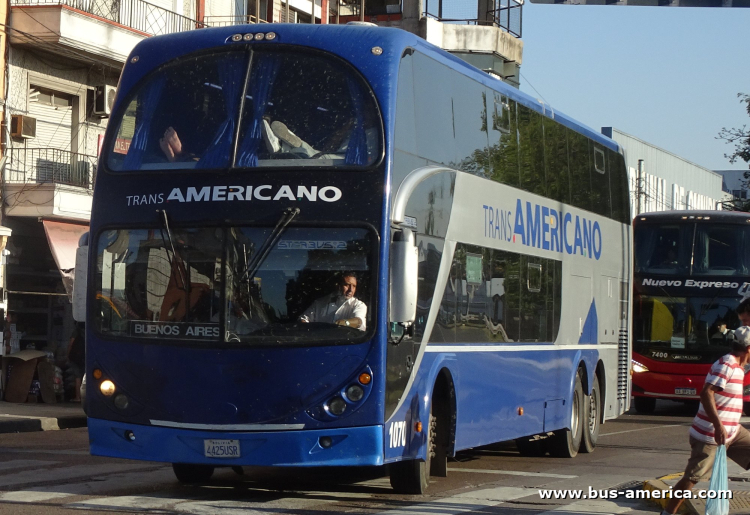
578 160
503 149
599 181
531 150
556 160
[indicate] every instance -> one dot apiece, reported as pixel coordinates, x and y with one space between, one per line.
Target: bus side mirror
80 280
404 278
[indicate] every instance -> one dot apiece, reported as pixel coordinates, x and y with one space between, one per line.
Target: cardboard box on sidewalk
18 373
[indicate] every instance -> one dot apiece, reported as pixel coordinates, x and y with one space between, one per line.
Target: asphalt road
51 472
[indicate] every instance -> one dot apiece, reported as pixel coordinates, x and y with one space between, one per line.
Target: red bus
692 269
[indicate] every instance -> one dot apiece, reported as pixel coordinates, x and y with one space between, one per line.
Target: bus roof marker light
135 59
236 37
376 50
270 36
259 36
248 37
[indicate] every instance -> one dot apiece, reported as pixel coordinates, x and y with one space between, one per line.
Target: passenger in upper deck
341 307
170 144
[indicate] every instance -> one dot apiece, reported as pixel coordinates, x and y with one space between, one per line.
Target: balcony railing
225 21
505 14
136 14
50 165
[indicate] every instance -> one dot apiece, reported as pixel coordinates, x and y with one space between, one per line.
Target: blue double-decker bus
342 246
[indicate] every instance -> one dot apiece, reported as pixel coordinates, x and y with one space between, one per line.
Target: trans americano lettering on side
239 193
539 226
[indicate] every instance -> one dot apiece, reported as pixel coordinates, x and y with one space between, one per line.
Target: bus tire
592 416
190 473
530 447
645 404
566 442
413 476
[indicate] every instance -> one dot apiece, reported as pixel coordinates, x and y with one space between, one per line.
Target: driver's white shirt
330 308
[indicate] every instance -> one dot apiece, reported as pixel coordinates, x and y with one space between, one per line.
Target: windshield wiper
286 218
165 226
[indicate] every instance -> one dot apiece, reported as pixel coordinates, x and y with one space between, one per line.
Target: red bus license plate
684 391
221 448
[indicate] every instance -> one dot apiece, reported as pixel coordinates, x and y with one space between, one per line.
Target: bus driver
341 307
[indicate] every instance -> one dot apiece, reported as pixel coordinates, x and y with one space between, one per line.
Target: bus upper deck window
299 109
181 116
307 110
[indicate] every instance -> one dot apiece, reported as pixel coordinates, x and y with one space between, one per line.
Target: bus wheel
189 473
565 442
413 476
531 447
645 404
592 407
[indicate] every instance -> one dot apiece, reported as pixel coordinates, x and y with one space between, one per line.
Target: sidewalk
739 484
26 417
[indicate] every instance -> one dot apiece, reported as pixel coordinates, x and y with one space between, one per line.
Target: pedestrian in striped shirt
718 419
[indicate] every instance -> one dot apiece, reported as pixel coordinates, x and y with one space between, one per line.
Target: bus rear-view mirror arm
404 280
80 279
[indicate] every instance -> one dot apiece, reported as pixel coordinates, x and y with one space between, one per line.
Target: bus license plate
221 448
684 391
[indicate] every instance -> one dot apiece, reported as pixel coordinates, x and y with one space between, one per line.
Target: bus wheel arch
413 476
566 442
593 408
444 412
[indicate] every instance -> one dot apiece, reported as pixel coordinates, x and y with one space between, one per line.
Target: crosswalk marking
464 502
513 473
599 507
19 464
63 474
109 483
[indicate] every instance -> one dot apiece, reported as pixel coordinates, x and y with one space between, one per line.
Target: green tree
740 138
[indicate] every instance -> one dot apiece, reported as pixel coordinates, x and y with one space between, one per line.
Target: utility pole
639 186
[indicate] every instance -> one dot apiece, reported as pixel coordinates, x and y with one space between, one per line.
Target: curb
17 424
739 503
686 508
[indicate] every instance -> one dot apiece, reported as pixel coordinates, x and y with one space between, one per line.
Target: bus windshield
290 108
693 249
693 323
186 284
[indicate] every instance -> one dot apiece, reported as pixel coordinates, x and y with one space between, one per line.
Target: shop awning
63 241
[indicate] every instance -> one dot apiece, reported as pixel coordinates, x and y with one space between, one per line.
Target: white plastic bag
719 482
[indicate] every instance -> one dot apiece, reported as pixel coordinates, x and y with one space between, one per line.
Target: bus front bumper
353 446
667 386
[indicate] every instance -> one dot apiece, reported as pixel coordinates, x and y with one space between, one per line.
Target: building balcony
106 29
49 182
484 33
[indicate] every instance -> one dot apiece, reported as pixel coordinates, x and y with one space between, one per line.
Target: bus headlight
639 367
337 406
355 393
121 401
107 388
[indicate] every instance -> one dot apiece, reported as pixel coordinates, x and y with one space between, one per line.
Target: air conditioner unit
104 99
22 126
